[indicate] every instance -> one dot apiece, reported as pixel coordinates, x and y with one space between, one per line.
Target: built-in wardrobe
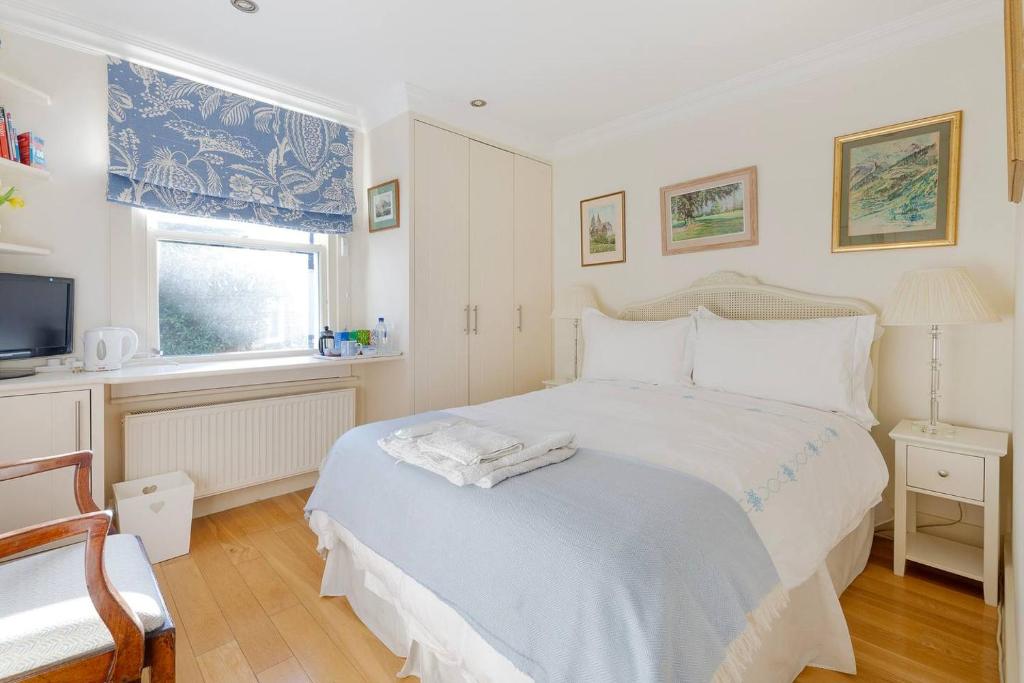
482 270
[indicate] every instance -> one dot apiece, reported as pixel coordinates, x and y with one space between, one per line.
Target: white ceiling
551 68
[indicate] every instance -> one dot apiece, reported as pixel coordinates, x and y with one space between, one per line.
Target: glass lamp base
939 429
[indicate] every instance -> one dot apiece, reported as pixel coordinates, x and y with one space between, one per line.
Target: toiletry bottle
382 337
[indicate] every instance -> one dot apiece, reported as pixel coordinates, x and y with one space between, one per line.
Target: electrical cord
942 524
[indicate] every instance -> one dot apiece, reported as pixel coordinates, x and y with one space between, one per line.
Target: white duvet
805 477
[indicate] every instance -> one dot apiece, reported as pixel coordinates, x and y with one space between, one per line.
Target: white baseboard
233 499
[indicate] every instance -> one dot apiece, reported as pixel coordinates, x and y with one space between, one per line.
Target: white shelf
17 173
951 556
358 360
26 88
23 249
310 366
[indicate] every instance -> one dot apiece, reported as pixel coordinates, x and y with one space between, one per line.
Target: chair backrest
81 461
122 622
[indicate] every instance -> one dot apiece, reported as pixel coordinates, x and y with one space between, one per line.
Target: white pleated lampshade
570 302
937 296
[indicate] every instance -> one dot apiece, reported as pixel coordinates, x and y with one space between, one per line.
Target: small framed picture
897 186
714 212
603 229
382 204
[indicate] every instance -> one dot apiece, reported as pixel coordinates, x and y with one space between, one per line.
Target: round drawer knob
943 473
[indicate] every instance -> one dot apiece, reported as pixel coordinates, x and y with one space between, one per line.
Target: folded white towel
423 428
469 444
408 450
502 473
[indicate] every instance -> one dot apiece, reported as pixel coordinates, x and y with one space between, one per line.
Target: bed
806 481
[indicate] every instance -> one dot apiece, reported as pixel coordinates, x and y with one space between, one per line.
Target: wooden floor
247 606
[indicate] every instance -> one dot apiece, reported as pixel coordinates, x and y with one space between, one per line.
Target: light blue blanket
599 568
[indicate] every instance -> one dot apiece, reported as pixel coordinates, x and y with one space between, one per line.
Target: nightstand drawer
954 474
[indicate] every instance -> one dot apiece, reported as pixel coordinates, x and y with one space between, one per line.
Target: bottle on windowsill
382 338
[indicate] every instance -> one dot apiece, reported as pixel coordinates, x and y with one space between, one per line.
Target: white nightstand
550 383
961 466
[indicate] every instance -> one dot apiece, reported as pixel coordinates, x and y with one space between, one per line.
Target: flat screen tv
36 318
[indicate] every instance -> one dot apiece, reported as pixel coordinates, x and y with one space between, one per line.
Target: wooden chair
74 655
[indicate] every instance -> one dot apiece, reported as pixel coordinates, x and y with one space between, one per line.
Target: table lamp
569 305
934 297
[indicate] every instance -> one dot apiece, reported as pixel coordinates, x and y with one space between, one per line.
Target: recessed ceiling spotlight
247 6
478 103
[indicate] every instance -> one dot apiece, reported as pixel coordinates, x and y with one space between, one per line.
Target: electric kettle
106 348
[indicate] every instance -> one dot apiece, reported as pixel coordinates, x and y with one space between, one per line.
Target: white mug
347 348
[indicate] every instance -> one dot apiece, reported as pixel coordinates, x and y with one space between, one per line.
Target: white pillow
704 313
650 352
820 363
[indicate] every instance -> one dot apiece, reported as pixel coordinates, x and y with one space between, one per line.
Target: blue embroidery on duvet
754 499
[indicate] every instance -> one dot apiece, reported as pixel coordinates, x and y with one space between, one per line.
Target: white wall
68 214
788 134
381 270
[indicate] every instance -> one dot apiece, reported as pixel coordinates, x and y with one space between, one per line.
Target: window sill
151 372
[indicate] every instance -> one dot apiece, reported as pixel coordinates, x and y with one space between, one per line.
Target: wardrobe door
35 426
441 289
72 431
491 243
27 425
532 274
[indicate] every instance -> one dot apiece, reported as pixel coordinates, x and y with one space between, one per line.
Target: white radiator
233 445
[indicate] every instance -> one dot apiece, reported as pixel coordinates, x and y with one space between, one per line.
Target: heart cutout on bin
149 489
156 507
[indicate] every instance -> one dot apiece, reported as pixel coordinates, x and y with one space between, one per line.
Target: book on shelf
12 137
31 149
26 148
5 142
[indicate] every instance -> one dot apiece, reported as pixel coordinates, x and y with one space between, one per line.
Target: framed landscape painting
714 212
603 229
897 186
382 203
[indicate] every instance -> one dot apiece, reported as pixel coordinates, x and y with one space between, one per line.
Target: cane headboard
742 297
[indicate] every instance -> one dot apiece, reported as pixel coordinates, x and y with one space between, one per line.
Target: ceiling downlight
247 6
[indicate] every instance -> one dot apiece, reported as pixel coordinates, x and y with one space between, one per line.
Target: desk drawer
951 473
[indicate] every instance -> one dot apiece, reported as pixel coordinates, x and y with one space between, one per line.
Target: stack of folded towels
465 453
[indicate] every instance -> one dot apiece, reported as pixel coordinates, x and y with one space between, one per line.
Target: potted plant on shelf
10 198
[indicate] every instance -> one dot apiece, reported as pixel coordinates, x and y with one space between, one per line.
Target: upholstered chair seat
46 615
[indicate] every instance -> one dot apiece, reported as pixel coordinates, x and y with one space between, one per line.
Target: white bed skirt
440 647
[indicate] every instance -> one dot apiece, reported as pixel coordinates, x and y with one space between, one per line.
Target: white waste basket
159 510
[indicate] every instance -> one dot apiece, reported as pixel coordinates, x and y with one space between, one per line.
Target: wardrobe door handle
519 321
78 425
476 320
466 328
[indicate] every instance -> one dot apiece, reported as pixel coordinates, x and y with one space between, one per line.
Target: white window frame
135 286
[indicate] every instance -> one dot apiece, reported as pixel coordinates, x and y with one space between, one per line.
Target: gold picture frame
714 212
1013 23
603 229
384 206
921 158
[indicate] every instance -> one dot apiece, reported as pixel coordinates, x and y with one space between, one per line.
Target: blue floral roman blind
189 148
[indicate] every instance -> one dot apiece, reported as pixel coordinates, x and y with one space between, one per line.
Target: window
229 287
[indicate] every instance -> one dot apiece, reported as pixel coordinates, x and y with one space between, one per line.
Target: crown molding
457 116
387 103
485 125
945 19
66 30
